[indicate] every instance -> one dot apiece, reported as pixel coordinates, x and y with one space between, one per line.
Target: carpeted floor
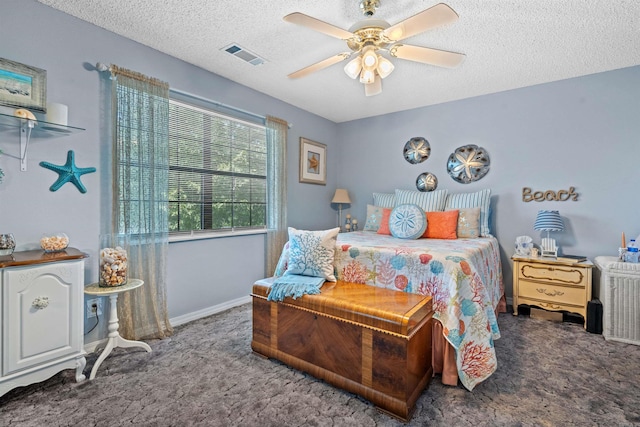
549 374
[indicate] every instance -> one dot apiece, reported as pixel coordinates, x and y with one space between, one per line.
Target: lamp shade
341 196
548 221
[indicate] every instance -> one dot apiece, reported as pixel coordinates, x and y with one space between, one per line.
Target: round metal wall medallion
416 150
427 182
468 163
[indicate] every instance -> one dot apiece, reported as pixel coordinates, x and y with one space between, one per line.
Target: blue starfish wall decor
68 172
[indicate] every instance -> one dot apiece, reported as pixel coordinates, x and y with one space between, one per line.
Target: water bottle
632 254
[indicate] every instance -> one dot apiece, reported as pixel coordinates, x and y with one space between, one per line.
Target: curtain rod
102 67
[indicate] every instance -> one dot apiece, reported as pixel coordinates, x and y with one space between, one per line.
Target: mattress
463 276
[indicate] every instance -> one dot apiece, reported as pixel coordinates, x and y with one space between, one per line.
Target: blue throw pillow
407 221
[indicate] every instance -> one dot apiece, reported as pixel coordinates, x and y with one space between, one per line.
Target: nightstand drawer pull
551 294
40 303
553 306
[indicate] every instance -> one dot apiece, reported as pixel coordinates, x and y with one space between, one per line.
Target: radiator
619 292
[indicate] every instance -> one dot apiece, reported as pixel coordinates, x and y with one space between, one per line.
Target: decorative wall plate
427 182
468 163
416 150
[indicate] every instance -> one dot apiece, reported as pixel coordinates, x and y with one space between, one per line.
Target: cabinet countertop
549 260
38 256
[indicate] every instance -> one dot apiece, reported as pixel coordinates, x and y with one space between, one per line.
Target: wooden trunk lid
386 309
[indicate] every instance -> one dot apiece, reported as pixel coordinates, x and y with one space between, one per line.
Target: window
217 171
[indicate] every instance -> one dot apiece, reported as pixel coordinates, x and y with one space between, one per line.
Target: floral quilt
463 276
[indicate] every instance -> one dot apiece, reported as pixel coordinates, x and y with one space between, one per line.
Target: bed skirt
443 356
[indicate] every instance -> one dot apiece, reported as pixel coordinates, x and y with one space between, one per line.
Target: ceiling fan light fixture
367 76
385 67
369 58
353 67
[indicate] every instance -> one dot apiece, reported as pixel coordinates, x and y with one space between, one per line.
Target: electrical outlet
90 311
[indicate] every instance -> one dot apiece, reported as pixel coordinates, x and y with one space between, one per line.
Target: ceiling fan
371 37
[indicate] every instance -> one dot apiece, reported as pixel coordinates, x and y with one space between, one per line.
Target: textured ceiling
508 44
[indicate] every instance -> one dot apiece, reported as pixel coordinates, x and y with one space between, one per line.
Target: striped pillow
481 199
429 202
385 200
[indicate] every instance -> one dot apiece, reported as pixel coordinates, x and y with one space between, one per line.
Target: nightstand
552 284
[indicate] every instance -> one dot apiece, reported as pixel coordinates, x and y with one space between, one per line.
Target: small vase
7 244
113 268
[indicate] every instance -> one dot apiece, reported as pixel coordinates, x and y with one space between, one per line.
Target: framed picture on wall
313 162
23 86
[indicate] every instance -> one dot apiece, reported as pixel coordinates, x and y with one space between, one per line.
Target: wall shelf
32 129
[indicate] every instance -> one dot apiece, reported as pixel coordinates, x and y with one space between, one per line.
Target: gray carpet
549 374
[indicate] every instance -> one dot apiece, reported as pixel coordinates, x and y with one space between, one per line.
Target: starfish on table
68 172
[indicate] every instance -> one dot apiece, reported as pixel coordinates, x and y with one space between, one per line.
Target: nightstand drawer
552 306
555 294
553 274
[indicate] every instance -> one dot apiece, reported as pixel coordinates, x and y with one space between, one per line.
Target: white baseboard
91 346
185 318
190 317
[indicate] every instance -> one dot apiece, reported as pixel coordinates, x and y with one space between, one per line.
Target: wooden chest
370 341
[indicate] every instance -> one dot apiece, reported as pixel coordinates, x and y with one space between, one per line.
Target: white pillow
311 253
283 261
431 201
480 199
385 200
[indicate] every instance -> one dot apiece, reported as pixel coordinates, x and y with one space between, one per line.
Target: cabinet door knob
40 303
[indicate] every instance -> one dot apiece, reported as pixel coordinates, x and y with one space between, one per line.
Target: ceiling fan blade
318 25
427 55
435 16
319 65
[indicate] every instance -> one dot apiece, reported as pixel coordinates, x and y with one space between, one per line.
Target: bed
464 278
432 243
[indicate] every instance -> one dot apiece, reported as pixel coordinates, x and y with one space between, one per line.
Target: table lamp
341 196
548 221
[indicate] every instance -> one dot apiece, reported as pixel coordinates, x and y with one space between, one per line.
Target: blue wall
581 132
201 274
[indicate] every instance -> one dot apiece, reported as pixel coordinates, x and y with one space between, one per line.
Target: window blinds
217 171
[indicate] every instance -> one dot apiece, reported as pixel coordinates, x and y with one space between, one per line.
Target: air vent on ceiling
243 54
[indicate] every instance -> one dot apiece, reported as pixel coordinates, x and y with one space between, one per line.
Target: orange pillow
442 225
384 222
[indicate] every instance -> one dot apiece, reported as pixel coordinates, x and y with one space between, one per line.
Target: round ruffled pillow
407 221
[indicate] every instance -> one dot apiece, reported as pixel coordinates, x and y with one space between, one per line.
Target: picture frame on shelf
313 162
23 86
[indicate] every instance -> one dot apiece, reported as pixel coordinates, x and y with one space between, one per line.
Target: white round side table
115 340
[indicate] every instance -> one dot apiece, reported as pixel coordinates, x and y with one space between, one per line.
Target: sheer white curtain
276 191
140 115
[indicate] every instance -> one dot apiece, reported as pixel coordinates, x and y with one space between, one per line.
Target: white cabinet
41 303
